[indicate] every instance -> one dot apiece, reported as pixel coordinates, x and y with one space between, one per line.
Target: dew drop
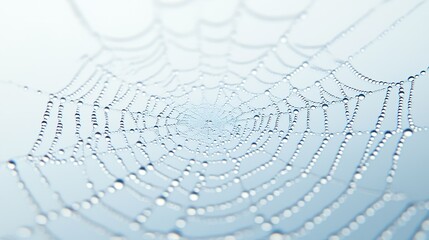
173 236
142 171
408 132
160 201
276 236
118 184
180 223
193 196
11 164
324 106
41 219
358 176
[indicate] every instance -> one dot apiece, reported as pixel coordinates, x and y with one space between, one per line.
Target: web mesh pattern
227 132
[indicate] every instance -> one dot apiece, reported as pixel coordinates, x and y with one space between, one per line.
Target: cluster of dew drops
258 129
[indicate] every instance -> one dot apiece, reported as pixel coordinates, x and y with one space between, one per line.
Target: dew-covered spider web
229 120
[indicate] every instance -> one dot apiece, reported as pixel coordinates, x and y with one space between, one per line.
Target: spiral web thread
163 152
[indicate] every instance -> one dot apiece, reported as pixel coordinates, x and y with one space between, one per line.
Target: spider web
226 131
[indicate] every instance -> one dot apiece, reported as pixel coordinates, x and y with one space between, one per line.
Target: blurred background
190 91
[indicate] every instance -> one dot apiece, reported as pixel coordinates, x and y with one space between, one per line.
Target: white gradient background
42 44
